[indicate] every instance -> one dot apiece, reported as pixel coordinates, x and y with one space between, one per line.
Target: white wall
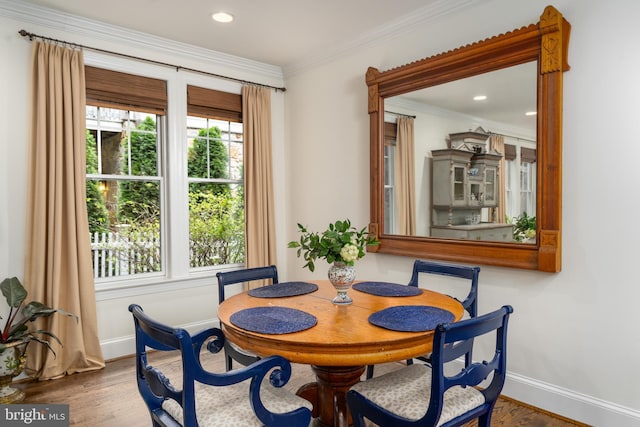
182 299
573 339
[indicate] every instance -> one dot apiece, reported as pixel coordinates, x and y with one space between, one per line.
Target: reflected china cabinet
464 182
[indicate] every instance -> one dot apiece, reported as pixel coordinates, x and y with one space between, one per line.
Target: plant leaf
13 291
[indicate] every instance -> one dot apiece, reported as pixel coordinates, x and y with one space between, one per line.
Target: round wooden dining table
341 343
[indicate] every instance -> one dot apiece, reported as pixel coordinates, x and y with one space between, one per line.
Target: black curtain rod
32 36
518 138
399 114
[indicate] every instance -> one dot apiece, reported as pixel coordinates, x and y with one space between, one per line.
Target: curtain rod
517 138
399 114
32 36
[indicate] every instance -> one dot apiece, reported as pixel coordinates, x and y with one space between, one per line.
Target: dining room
566 313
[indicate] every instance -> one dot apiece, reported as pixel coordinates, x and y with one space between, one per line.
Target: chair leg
369 371
409 362
229 363
484 420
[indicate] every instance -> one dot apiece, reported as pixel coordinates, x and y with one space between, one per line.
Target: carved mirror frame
545 42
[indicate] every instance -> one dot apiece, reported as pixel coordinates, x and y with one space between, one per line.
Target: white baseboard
126 346
569 404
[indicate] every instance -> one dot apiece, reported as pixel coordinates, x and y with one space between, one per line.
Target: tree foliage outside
140 200
96 208
216 210
208 158
216 228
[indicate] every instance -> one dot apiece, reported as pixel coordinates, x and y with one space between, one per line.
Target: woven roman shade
390 133
509 152
113 89
214 104
527 155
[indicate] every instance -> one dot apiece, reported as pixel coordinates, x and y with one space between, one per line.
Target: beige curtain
496 143
259 203
58 268
405 177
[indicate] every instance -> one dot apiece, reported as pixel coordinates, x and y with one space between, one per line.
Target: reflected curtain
259 202
58 270
405 177
496 143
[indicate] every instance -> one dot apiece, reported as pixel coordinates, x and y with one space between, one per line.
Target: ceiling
287 33
276 32
511 93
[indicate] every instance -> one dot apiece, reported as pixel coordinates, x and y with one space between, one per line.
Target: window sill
117 289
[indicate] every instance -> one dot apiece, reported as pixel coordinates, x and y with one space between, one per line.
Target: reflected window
389 188
527 193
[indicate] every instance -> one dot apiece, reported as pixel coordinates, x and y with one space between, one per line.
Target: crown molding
60 21
381 34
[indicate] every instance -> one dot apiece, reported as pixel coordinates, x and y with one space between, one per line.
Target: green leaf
13 291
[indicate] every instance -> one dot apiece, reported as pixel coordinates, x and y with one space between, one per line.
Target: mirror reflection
460 158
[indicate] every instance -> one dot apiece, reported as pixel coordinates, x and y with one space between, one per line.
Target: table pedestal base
329 394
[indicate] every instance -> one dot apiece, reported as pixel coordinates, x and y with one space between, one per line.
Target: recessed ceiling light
480 97
223 17
530 113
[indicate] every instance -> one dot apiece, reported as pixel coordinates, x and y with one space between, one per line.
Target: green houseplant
341 242
16 335
341 245
524 227
16 326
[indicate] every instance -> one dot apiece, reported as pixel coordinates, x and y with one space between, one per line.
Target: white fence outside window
115 254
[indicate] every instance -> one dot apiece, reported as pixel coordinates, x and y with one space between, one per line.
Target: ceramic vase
12 361
341 277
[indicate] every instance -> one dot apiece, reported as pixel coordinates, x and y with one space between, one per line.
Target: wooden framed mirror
543 45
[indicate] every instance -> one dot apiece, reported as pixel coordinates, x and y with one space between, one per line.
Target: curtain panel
58 269
496 143
405 177
259 201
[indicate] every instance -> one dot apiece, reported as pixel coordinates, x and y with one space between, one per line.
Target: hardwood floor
109 397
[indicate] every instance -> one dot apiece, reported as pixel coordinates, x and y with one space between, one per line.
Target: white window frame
175 211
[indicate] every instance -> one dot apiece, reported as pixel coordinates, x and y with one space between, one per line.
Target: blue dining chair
270 273
251 396
470 303
424 395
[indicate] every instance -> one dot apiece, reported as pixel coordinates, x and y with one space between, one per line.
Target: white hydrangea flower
349 252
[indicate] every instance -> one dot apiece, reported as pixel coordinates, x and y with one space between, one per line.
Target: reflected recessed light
530 113
223 17
480 97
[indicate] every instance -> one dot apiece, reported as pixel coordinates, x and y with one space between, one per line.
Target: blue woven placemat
273 320
284 289
385 289
410 318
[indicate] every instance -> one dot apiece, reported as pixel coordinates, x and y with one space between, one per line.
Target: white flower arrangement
341 242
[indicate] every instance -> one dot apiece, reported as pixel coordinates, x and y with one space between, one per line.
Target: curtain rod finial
25 33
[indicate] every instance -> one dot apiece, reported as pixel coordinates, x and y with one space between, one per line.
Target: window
520 180
124 188
527 195
136 180
390 132
215 156
216 192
